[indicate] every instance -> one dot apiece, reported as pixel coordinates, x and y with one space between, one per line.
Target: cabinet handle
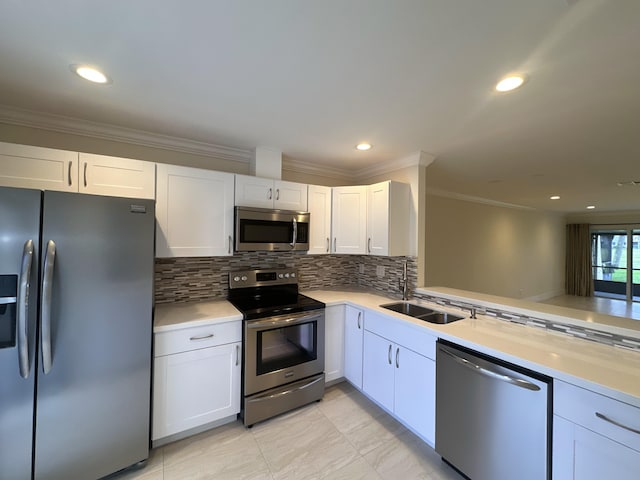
389 354
229 245
85 174
397 358
335 244
270 193
201 337
359 315
369 245
328 244
69 173
237 355
617 424
277 194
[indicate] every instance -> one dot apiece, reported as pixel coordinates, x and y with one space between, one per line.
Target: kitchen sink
422 313
408 309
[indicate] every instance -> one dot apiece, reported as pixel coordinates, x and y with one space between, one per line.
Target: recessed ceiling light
91 74
591 207
555 197
364 146
510 82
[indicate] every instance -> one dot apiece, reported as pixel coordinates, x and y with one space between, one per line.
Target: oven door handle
282 322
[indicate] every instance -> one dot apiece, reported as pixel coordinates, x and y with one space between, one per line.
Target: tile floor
345 436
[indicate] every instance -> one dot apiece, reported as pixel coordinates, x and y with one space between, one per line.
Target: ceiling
313 78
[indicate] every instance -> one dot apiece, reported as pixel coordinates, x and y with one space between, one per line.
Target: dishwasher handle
490 373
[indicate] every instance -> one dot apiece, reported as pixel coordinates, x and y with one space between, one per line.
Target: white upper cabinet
36 167
50 169
320 221
120 177
349 220
194 212
388 206
268 193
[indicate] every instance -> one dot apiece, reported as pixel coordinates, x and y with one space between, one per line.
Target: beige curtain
579 274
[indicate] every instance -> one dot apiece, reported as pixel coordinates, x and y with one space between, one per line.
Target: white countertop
569 316
612 371
175 316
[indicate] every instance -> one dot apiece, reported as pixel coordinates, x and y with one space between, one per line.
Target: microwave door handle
295 234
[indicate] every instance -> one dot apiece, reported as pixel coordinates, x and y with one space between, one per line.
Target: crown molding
302 166
76 126
470 198
419 158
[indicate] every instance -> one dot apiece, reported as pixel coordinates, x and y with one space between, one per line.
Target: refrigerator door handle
23 309
45 307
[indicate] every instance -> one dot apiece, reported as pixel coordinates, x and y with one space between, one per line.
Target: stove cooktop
267 293
269 304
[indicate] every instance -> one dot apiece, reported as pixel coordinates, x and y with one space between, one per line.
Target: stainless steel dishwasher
493 419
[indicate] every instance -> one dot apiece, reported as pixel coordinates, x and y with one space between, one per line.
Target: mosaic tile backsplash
205 278
591 334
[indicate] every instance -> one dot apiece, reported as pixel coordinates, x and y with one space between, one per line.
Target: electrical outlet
361 268
380 271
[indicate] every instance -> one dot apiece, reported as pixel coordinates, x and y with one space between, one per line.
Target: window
615 259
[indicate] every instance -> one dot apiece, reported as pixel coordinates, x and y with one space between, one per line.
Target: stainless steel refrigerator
76 287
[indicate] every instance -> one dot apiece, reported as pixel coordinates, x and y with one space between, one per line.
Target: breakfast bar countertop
611 371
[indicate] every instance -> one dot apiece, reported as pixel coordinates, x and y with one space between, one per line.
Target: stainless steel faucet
404 283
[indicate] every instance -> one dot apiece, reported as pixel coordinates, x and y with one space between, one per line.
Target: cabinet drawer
586 408
402 333
194 338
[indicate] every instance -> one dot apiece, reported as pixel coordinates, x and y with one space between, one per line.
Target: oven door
271 230
283 349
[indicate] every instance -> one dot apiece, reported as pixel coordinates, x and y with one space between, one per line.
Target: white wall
493 249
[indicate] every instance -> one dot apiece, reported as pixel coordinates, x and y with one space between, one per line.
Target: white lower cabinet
334 342
200 383
594 436
398 378
353 330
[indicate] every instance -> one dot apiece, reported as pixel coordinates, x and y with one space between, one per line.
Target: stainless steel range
283 342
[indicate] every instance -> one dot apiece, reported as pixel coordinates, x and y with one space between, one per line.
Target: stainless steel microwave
271 230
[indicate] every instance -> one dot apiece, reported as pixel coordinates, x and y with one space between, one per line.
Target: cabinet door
23 166
290 196
195 388
118 177
334 343
580 454
349 220
320 222
415 394
194 212
378 219
378 369
353 329
254 192
388 214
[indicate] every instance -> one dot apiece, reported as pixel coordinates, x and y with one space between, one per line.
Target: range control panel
263 278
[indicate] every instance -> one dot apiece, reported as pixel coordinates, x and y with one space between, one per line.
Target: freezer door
93 401
19 225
